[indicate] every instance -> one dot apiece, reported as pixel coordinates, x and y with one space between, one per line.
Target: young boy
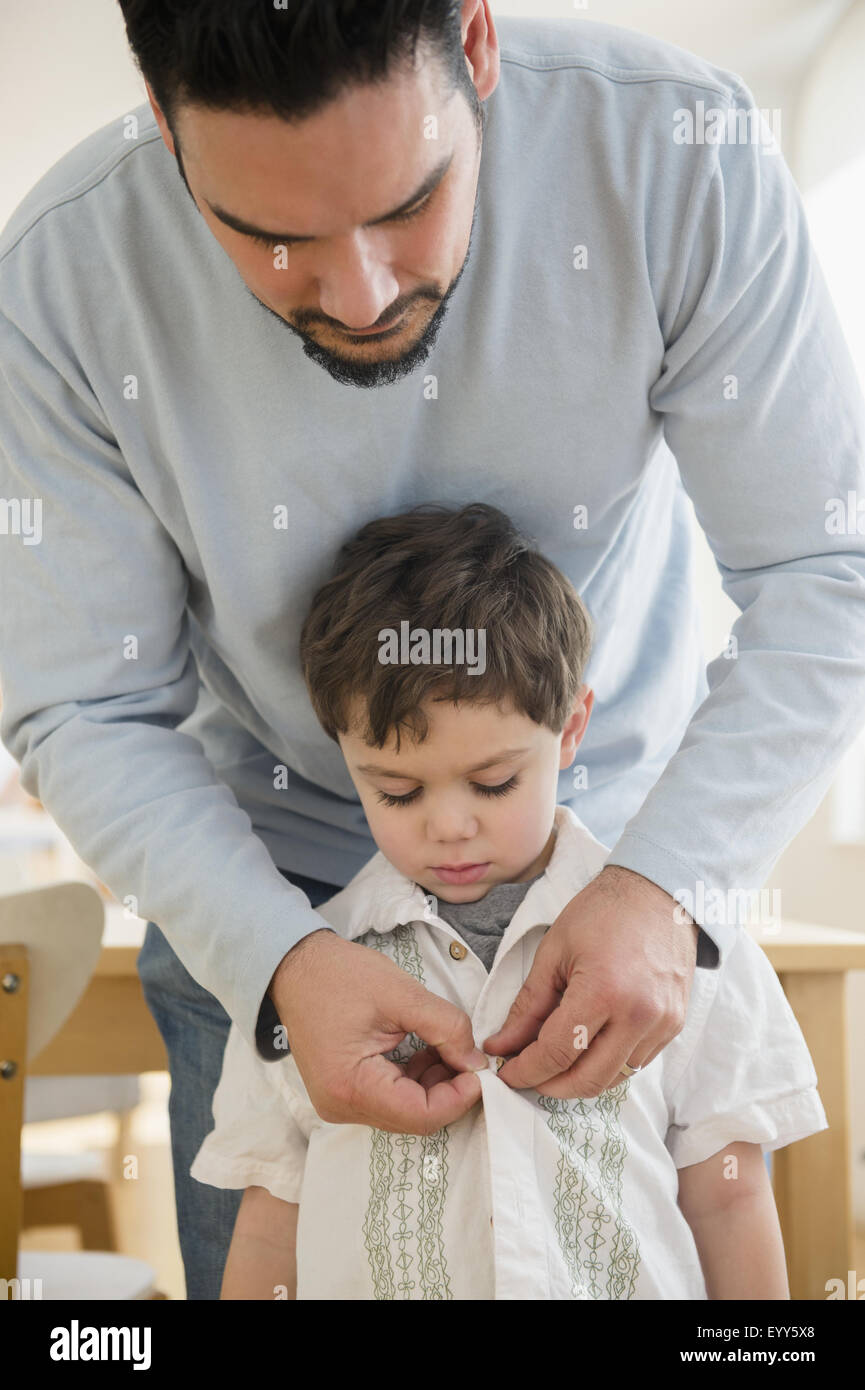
657 1188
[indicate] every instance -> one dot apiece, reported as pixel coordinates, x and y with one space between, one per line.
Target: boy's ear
573 732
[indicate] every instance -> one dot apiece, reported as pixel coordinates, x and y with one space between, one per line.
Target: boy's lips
461 873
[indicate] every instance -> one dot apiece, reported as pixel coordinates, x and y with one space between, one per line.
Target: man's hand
609 984
343 1006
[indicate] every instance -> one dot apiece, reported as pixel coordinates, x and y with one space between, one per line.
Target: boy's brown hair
440 568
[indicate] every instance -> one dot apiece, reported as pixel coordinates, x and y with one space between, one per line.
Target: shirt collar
380 897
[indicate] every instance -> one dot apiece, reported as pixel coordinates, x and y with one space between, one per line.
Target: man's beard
355 372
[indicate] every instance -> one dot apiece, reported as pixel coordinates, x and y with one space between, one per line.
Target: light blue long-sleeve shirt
155 418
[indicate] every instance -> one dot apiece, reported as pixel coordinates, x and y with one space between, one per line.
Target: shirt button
500 1061
458 950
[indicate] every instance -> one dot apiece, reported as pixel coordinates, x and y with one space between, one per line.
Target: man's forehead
248 166
406 98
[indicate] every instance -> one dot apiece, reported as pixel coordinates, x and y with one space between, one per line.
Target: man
552 293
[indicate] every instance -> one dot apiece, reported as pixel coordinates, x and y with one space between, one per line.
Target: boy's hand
343 1007
615 963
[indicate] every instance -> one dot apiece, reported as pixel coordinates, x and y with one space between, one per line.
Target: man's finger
427 1067
420 1062
445 1028
599 1068
535 1002
559 1044
439 1072
385 1098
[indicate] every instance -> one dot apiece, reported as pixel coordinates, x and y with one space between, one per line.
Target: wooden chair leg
14 978
95 1216
86 1205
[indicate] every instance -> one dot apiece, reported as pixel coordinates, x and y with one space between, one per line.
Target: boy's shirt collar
380 897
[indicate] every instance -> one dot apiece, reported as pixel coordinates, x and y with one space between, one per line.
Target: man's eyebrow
408 776
238 224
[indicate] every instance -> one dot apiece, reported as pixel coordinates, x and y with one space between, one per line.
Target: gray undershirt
482 924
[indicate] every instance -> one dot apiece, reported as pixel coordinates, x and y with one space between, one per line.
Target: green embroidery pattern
588 1195
406 1168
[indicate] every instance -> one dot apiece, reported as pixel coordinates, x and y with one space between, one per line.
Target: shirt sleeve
763 411
97 672
261 1127
749 1077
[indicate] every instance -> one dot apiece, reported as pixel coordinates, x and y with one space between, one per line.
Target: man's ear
164 130
481 49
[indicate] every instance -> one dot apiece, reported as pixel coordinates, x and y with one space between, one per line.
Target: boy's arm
731 1210
262 1259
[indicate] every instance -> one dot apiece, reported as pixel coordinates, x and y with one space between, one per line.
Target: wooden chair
68 1190
50 942
73 1189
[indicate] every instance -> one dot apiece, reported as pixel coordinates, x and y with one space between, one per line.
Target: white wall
65 70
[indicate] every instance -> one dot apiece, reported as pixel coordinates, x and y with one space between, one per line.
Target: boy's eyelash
500 790
401 217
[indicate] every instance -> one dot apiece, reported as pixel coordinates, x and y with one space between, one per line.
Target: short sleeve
262 1124
750 1077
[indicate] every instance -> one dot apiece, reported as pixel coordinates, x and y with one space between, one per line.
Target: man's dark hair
466 569
250 56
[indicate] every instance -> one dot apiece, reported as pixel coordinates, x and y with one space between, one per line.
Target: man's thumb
529 1011
448 1028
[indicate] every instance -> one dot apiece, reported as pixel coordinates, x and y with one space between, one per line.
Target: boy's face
450 811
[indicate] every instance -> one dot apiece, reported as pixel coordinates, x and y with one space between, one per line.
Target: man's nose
358 285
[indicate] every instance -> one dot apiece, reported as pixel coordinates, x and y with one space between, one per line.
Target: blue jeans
194 1028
